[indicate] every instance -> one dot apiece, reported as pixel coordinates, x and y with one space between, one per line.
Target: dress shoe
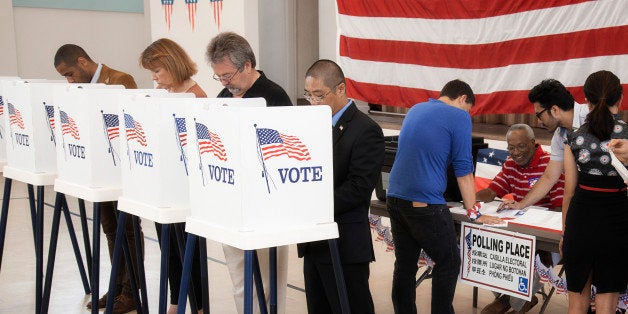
499 306
123 304
527 306
102 302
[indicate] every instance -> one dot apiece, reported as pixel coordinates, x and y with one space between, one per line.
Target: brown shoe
102 302
527 306
499 306
123 304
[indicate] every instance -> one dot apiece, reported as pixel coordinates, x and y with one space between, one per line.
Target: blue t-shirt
433 136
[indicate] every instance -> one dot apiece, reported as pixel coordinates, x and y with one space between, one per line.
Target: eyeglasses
520 147
226 77
315 98
540 113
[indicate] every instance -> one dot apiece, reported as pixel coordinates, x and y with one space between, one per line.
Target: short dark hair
327 70
69 53
551 92
230 45
456 88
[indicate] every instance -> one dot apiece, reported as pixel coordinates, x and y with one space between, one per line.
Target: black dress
596 227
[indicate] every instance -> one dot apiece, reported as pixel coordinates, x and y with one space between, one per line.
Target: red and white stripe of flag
402 52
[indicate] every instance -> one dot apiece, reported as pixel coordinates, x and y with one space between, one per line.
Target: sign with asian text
497 260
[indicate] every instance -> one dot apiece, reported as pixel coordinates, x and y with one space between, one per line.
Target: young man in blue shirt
433 135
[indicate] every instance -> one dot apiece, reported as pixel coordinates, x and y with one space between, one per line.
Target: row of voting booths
235 171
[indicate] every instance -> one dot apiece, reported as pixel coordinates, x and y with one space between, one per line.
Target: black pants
175 267
429 228
109 223
321 292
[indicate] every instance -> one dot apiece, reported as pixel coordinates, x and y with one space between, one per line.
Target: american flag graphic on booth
68 125
15 117
209 142
1 106
402 52
134 130
112 122
50 113
182 131
274 144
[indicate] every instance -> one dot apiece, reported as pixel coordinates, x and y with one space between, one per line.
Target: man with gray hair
521 170
233 62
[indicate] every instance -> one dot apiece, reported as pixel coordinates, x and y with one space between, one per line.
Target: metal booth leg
202 247
186 272
96 258
248 282
39 249
259 285
74 241
6 198
140 262
52 252
88 249
273 279
163 273
340 279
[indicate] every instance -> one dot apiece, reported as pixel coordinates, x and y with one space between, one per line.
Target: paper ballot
621 169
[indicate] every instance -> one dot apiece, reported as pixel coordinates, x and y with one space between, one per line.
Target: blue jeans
432 229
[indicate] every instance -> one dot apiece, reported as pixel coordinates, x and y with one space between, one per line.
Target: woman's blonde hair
167 54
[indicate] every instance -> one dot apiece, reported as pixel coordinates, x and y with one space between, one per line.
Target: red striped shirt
518 181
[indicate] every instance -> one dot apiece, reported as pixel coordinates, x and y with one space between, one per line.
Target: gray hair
520 126
230 45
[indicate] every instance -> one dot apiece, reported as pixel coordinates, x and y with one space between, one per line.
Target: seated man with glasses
520 172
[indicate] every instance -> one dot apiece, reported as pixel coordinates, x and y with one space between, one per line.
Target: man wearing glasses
519 174
554 106
358 145
231 58
233 62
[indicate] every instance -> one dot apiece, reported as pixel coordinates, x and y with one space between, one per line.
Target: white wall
239 16
112 38
8 61
31 36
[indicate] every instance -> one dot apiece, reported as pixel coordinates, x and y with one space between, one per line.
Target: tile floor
17 282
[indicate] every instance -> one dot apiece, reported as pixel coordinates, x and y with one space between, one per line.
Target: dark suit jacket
358 156
110 76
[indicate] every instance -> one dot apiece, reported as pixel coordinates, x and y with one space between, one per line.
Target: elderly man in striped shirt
521 170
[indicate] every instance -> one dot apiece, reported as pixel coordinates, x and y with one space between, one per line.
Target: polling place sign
497 260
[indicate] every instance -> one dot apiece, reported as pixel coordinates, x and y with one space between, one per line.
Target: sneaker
499 306
102 302
527 306
123 304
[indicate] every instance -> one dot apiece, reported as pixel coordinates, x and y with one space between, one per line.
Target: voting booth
30 144
154 155
261 177
3 129
87 133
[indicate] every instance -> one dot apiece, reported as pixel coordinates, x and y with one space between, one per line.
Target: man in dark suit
72 62
358 145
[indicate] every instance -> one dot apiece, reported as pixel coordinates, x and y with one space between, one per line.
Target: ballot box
261 177
155 158
88 139
31 142
3 129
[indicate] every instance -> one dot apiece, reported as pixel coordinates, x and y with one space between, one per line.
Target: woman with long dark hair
595 203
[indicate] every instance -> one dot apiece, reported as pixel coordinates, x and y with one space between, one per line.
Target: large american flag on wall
401 52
